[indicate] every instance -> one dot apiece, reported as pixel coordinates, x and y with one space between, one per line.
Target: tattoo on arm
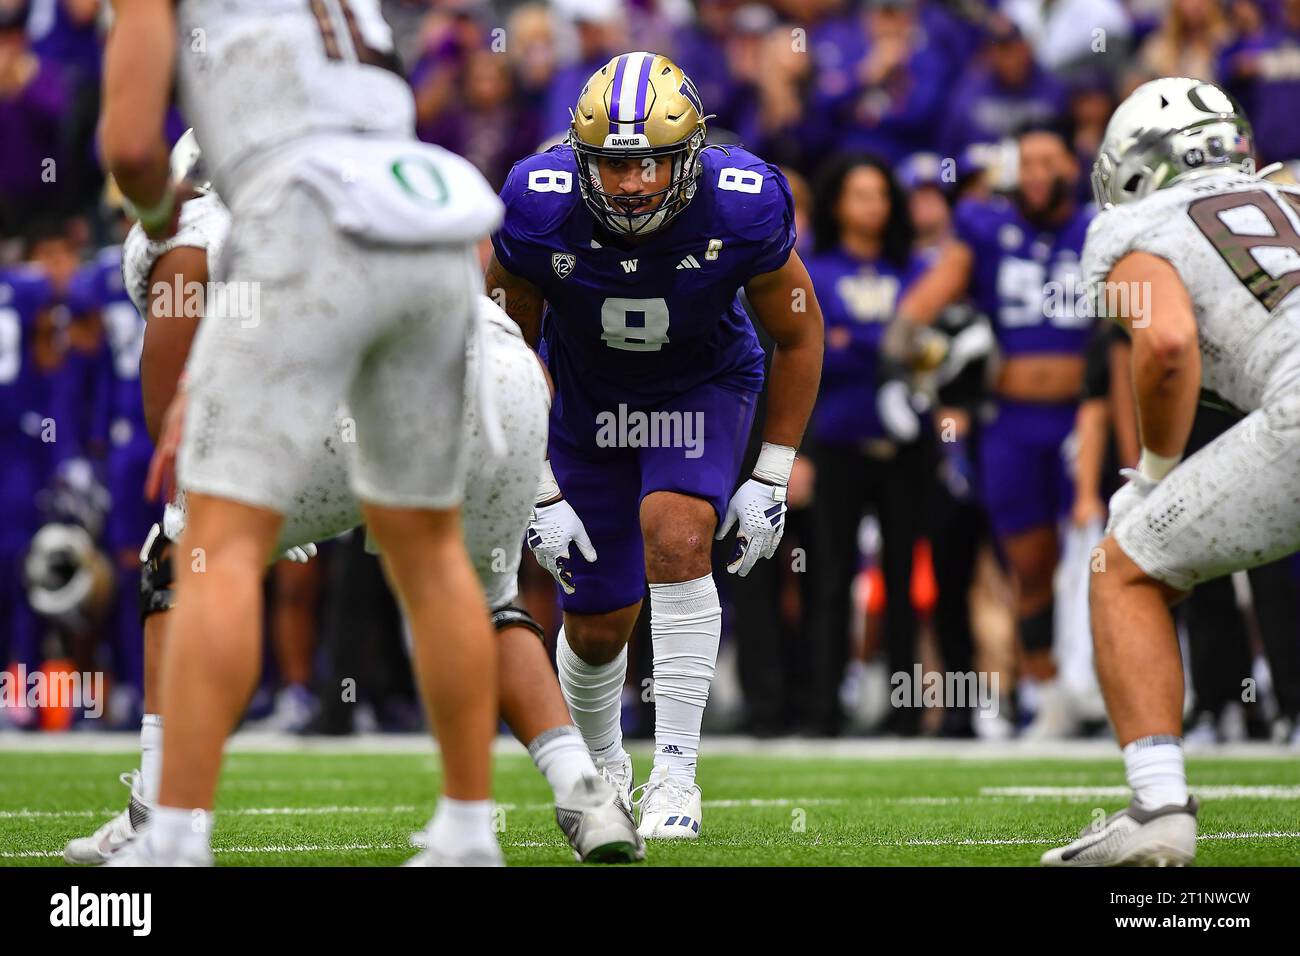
520 299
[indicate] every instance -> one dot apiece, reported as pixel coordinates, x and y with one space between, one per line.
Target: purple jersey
985 111
644 324
124 335
1027 279
129 447
858 298
652 329
1268 90
901 115
31 119
24 404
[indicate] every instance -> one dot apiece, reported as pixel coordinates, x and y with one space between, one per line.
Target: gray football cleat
1133 836
114 835
598 824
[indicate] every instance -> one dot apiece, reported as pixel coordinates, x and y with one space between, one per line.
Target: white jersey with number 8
256 74
1235 241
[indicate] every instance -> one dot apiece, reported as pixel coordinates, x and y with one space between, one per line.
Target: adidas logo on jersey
690 262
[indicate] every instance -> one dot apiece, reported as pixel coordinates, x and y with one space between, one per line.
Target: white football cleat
114 835
618 775
431 855
670 809
1055 719
598 824
1134 837
992 725
140 853
481 856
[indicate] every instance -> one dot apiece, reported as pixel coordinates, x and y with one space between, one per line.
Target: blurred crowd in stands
928 520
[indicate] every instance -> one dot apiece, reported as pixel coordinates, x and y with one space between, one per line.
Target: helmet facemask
611 209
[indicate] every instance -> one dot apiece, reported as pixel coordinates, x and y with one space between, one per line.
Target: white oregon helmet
187 163
1170 130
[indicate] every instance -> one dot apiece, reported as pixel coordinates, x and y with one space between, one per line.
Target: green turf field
322 809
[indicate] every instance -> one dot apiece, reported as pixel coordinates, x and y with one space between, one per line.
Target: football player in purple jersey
623 255
1018 260
27 354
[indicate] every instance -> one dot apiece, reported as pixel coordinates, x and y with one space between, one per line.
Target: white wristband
1154 467
547 488
775 462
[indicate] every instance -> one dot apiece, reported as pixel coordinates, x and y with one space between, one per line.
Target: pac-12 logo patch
563 263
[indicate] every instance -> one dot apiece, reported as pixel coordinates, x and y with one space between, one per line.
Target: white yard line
256 742
364 847
1228 792
25 814
1066 794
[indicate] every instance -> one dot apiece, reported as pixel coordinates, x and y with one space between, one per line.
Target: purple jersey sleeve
973 222
762 218
539 194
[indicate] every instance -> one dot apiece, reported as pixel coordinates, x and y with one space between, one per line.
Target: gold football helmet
637 106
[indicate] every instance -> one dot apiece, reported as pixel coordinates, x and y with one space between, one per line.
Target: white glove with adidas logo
757 509
553 526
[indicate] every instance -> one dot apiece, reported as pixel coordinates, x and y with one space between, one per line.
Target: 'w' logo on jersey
690 262
629 265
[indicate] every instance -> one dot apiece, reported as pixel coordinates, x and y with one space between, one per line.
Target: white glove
551 529
759 508
971 344
301 554
894 405
1129 496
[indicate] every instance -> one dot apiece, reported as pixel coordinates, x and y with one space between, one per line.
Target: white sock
176 833
460 825
151 757
1155 771
561 755
685 627
594 693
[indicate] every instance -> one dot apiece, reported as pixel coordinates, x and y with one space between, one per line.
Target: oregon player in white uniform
356 241
498 500
1199 258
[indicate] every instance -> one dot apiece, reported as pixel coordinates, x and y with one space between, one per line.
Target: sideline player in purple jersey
27 355
98 288
1018 259
624 252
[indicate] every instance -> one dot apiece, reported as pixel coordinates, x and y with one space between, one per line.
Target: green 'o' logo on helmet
1210 99
420 178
